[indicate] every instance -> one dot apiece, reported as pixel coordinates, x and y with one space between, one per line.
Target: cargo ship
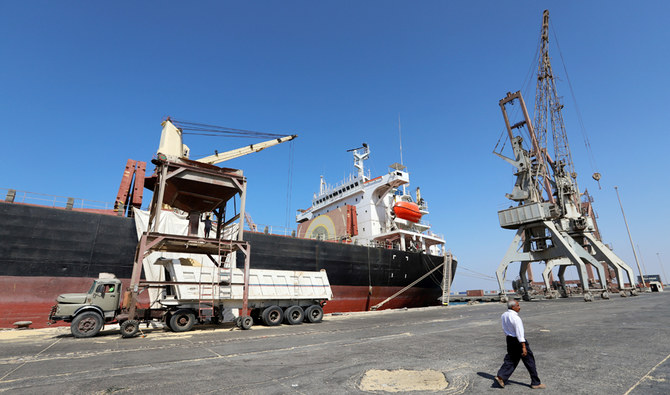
367 233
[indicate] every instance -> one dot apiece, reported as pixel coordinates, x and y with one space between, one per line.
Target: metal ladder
446 278
206 297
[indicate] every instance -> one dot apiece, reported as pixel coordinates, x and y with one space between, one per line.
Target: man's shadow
494 383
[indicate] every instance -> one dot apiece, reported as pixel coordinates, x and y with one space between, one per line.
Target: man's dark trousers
512 360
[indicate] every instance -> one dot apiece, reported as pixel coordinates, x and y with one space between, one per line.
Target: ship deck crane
172 146
551 227
196 186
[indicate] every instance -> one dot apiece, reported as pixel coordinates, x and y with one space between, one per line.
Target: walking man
517 348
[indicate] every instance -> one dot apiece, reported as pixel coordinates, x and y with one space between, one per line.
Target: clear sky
84 86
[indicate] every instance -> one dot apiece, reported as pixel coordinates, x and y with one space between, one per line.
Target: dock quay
616 346
471 299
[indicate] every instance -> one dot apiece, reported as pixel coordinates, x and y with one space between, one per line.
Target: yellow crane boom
172 146
236 153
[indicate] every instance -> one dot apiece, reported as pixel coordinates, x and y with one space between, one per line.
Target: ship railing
270 229
284 231
438 235
332 188
55 201
424 222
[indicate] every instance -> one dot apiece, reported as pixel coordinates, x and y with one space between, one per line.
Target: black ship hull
47 251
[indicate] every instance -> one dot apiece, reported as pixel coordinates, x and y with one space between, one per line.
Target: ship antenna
359 158
404 191
400 138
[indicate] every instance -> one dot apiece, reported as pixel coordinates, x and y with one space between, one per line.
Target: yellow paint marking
648 375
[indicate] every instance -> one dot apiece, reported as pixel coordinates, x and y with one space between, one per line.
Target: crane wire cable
482 275
525 87
587 144
214 130
289 183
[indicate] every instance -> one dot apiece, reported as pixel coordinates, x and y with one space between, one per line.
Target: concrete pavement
616 346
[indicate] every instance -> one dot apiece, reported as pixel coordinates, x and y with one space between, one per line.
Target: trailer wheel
182 320
273 316
246 323
86 324
294 315
314 314
166 321
129 328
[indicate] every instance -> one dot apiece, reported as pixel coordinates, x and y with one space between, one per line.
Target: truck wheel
314 314
86 324
182 320
167 318
247 322
129 328
273 316
294 315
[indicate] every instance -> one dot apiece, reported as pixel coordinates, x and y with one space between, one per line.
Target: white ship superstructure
386 214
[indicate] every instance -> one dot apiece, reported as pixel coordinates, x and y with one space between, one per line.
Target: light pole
644 267
632 245
658 254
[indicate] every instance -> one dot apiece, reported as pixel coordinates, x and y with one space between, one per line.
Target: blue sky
85 86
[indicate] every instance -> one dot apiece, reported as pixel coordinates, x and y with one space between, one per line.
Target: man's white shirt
512 325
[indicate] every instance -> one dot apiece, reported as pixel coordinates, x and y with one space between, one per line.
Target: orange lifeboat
407 210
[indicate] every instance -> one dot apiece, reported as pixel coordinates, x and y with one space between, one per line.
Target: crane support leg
589 259
511 255
561 251
546 276
566 246
561 280
525 284
603 253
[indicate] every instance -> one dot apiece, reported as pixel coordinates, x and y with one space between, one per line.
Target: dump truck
197 294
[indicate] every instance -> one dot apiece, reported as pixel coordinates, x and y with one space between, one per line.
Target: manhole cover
403 380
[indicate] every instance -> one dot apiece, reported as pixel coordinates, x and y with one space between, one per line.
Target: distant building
649 277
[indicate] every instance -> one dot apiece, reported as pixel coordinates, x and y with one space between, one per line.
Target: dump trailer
275 296
196 294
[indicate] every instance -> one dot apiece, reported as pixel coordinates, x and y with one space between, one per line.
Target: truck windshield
95 283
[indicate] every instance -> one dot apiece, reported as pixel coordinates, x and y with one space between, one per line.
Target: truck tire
167 318
129 328
182 320
273 316
246 323
86 324
294 315
314 314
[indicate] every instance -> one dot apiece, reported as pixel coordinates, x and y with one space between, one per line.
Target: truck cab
88 312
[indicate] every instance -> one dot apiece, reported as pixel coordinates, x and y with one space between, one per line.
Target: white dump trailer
275 296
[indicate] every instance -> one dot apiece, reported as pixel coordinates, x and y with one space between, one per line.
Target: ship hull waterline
16 306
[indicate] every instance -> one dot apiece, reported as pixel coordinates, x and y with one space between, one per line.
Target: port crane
552 224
